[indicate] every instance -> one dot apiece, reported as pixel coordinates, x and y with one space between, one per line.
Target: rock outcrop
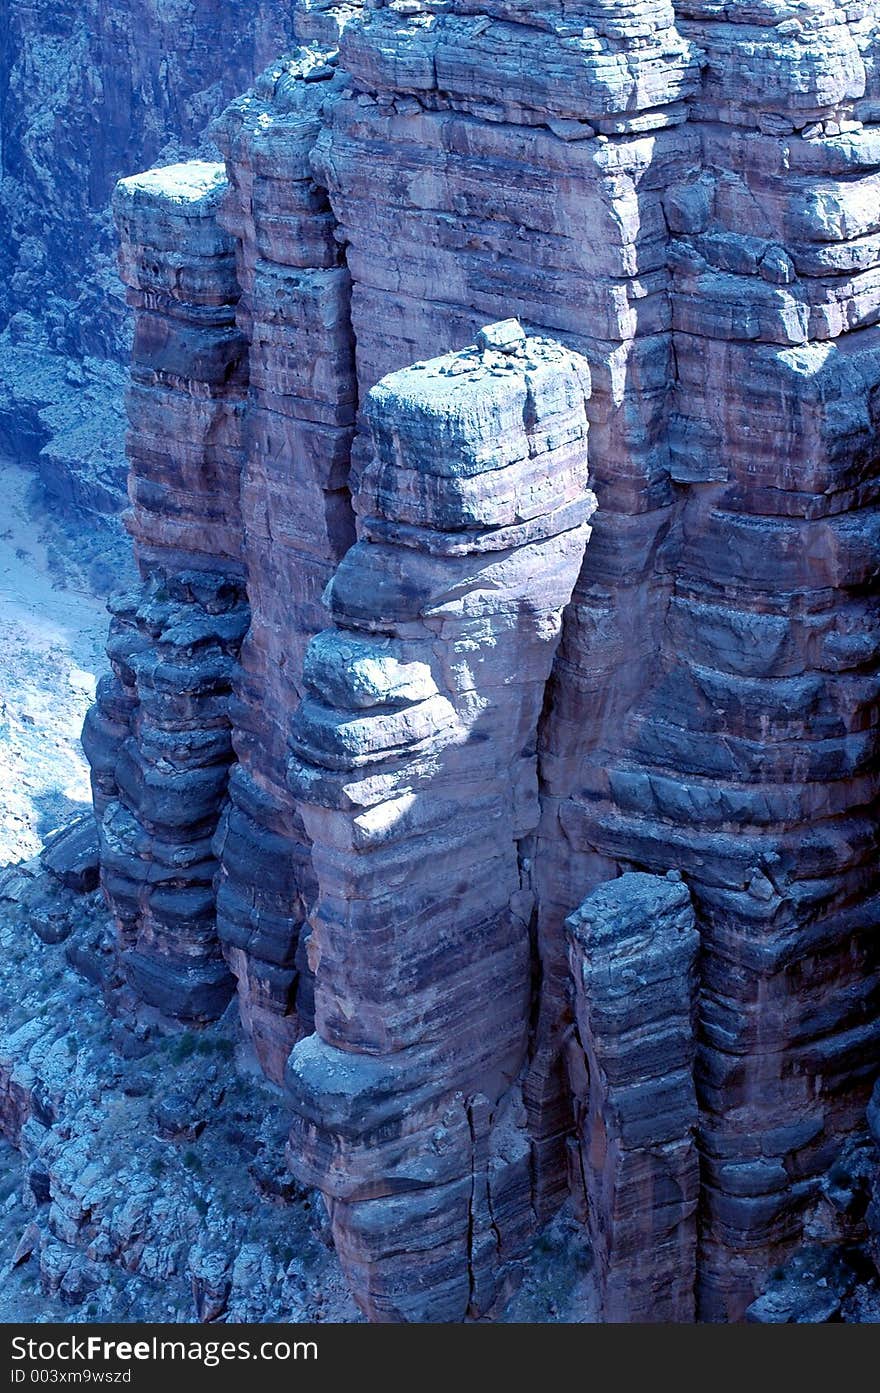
836 1276
415 765
159 738
770 637
461 198
633 948
297 521
685 196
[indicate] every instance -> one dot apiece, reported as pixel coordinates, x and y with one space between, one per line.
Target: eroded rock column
500 158
633 951
414 763
296 516
159 737
762 735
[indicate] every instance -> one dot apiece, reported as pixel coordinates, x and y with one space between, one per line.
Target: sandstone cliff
684 197
297 521
159 738
415 766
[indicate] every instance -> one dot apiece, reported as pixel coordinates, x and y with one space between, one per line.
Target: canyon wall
297 522
685 197
90 92
484 165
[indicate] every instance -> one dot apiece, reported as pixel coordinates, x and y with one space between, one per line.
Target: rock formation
753 767
685 196
834 1277
296 518
159 738
633 948
415 766
538 196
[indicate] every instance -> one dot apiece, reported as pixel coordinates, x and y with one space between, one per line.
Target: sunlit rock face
415 767
462 198
322 21
684 197
726 305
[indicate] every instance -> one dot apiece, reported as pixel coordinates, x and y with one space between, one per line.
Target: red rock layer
713 700
689 199
296 517
414 762
750 761
633 948
486 162
159 737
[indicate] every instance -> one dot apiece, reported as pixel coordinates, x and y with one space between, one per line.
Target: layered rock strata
718 275
633 950
414 763
754 762
489 161
322 21
749 760
687 198
297 520
159 737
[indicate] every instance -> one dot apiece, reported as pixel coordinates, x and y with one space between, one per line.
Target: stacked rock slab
633 950
694 721
414 762
322 21
750 760
689 199
502 158
159 738
296 517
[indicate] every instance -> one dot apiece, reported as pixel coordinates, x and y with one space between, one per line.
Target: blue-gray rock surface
685 197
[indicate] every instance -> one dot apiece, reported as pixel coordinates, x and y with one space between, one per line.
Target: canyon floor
52 637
